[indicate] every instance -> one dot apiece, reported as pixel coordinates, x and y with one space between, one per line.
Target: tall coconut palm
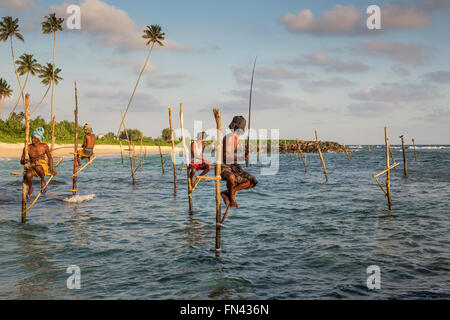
27 65
5 92
52 24
155 36
46 74
9 29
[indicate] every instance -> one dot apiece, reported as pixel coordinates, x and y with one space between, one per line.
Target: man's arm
84 142
50 160
22 159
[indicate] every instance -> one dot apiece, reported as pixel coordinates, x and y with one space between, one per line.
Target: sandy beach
14 150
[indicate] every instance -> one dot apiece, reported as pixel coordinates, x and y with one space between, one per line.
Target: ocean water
293 237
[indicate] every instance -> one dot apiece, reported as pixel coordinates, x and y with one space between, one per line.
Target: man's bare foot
225 198
233 202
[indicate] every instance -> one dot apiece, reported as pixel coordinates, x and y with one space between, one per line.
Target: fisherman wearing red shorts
198 162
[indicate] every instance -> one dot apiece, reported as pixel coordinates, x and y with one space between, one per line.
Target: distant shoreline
14 150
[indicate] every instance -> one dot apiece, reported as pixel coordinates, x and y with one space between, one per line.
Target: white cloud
112 26
396 93
317 85
16 5
345 20
438 76
330 64
339 20
407 53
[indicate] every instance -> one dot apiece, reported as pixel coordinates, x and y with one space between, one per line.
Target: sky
318 66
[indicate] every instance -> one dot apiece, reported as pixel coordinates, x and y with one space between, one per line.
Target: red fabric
197 165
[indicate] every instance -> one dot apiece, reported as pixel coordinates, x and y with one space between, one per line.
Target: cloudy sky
318 66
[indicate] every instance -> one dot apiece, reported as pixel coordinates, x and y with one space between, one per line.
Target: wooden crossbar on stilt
40 193
83 167
199 178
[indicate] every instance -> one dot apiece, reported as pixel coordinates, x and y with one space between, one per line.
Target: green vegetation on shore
13 131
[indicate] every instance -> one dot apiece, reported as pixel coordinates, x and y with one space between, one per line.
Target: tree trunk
53 74
42 100
17 75
18 99
135 87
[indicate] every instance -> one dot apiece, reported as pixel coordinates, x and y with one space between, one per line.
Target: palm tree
5 92
46 74
9 28
27 65
154 35
52 25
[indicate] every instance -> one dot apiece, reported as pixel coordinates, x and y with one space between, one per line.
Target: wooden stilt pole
75 145
346 152
173 154
392 154
415 153
160 155
321 157
129 148
405 164
53 134
258 152
218 172
134 155
141 156
121 153
186 154
25 148
299 150
388 172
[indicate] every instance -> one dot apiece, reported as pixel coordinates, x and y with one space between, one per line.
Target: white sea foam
78 199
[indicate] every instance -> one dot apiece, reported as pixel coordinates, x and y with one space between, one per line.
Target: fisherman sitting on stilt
88 145
199 162
36 165
237 179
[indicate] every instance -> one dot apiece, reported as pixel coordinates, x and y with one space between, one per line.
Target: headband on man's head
38 133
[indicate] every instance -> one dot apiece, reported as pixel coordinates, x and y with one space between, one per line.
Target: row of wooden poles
389 167
216 179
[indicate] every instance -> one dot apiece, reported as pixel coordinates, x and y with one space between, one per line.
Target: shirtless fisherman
198 162
237 179
88 145
36 165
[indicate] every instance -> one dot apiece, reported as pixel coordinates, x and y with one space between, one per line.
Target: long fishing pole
247 151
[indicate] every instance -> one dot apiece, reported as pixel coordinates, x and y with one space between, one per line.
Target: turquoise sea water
294 236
